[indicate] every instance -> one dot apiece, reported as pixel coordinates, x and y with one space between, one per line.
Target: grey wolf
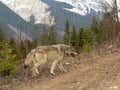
41 54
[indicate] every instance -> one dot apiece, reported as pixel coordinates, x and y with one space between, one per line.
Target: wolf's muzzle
74 54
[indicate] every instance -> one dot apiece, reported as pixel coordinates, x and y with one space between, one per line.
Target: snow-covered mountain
83 7
41 13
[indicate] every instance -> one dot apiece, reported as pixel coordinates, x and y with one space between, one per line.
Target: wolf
42 54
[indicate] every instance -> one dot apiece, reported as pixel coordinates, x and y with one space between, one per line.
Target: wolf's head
68 49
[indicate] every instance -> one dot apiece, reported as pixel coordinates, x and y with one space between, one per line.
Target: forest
104 31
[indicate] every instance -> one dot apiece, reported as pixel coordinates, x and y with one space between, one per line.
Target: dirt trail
102 73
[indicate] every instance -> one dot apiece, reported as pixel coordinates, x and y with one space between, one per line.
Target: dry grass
98 70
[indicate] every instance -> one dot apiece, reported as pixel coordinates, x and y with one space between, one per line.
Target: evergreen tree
3 40
8 58
103 34
24 47
94 26
21 50
73 36
13 45
107 26
80 39
52 36
67 32
44 38
2 35
102 28
89 40
7 61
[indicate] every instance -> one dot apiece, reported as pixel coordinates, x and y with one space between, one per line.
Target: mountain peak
26 8
41 13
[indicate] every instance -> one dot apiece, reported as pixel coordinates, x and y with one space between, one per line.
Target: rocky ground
85 72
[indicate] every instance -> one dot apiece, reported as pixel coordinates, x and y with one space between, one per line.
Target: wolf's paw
52 73
65 70
34 75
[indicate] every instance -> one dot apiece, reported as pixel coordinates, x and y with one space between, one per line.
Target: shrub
8 60
89 40
7 68
87 47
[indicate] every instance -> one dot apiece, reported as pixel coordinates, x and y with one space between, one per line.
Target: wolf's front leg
56 61
35 71
61 67
53 67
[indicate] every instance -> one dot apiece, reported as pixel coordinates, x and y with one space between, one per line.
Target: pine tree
80 39
67 32
2 36
52 36
8 58
13 45
7 61
73 36
95 25
21 52
24 47
103 34
89 40
3 40
44 38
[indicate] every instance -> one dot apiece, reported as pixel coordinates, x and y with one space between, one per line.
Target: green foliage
83 40
87 47
107 29
7 68
95 25
73 36
52 36
7 60
89 40
24 48
44 39
2 36
49 38
66 41
80 39
67 32
10 54
67 27
13 45
98 30
102 35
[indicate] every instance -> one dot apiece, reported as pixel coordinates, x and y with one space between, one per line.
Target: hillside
32 16
84 73
12 24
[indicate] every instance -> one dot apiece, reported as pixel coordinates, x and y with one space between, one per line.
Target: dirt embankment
83 73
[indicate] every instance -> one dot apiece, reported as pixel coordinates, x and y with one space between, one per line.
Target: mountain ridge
42 13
